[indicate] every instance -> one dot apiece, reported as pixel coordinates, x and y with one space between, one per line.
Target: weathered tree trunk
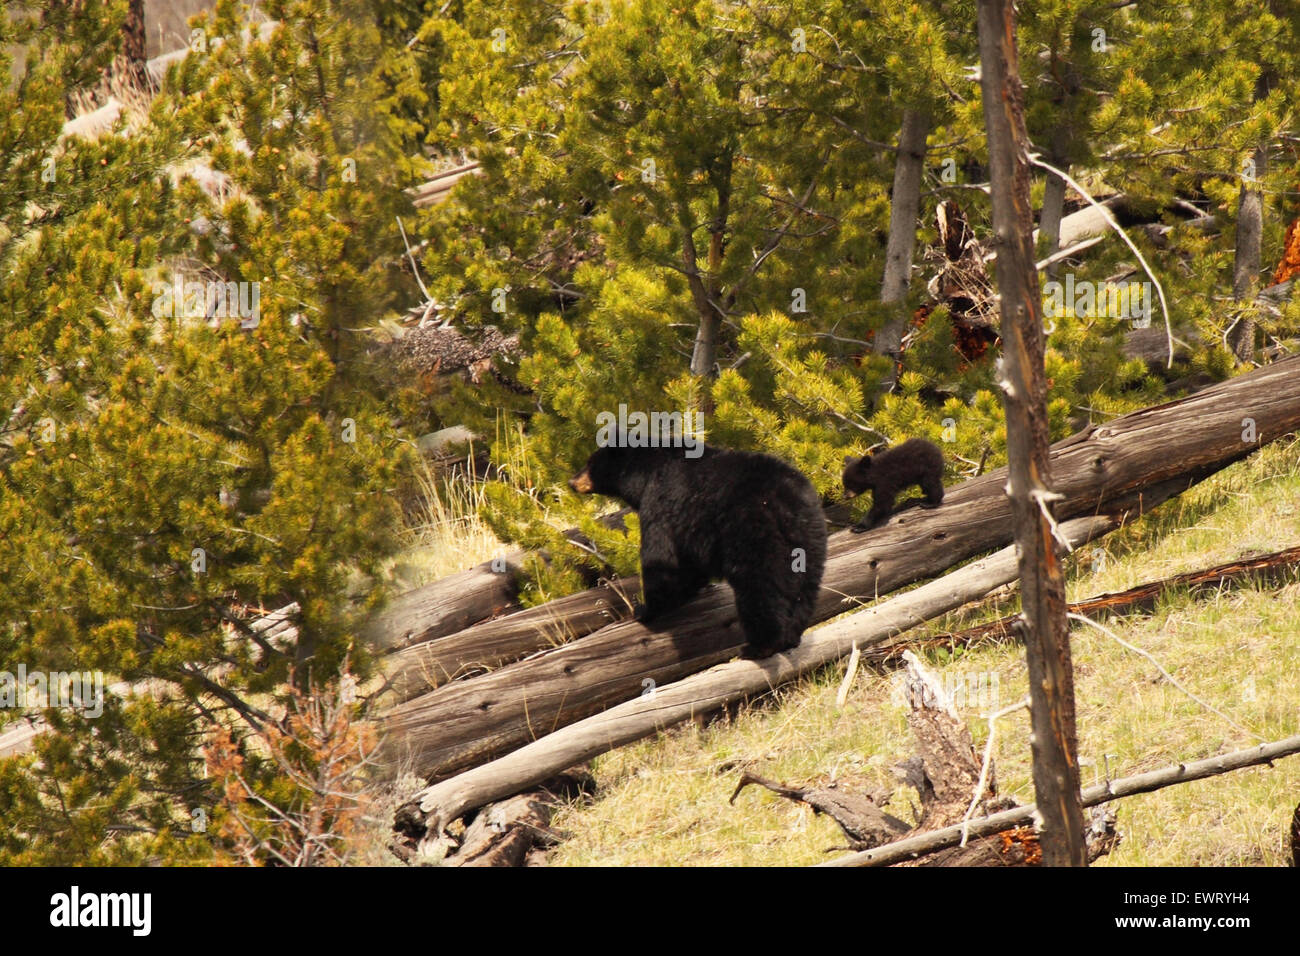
1024 393
418 669
1132 462
904 210
945 772
1085 223
949 777
1266 570
448 605
453 603
1049 222
1250 227
707 290
1248 255
134 41
513 832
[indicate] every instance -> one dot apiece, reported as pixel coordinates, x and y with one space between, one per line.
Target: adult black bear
914 462
745 517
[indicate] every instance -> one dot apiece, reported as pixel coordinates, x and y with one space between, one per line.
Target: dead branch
925 843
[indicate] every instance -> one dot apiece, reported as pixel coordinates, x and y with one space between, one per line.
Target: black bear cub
914 462
748 518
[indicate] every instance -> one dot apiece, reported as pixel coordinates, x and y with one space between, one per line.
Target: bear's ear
849 461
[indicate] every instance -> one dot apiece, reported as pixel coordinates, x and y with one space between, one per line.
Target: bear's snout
581 482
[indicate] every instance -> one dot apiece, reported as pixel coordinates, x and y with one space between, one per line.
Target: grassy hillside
665 801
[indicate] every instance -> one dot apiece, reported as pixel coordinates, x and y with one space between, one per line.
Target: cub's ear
849 461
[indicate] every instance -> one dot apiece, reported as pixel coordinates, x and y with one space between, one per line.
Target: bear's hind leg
766 617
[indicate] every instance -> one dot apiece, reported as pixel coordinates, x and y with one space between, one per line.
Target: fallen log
453 603
859 815
1271 569
935 840
1267 569
514 832
447 605
438 188
704 693
1127 465
418 669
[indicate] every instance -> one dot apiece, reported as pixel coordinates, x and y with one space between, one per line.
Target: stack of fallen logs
577 677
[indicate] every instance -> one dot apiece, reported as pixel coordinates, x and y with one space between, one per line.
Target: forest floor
664 801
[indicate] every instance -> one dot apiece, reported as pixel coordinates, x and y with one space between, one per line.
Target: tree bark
1133 462
1267 570
446 606
904 210
1248 255
1049 223
456 602
1024 388
707 292
418 669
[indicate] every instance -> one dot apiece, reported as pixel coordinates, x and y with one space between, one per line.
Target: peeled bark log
447 605
1131 463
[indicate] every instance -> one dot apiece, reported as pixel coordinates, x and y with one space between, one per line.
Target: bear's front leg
663 584
880 510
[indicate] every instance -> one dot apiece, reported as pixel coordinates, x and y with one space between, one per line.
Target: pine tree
171 469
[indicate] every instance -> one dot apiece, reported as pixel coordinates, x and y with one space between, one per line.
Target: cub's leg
882 504
932 485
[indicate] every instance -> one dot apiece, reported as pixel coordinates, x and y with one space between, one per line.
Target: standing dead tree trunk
1049 223
1024 393
1131 463
1250 230
706 290
904 209
1248 254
